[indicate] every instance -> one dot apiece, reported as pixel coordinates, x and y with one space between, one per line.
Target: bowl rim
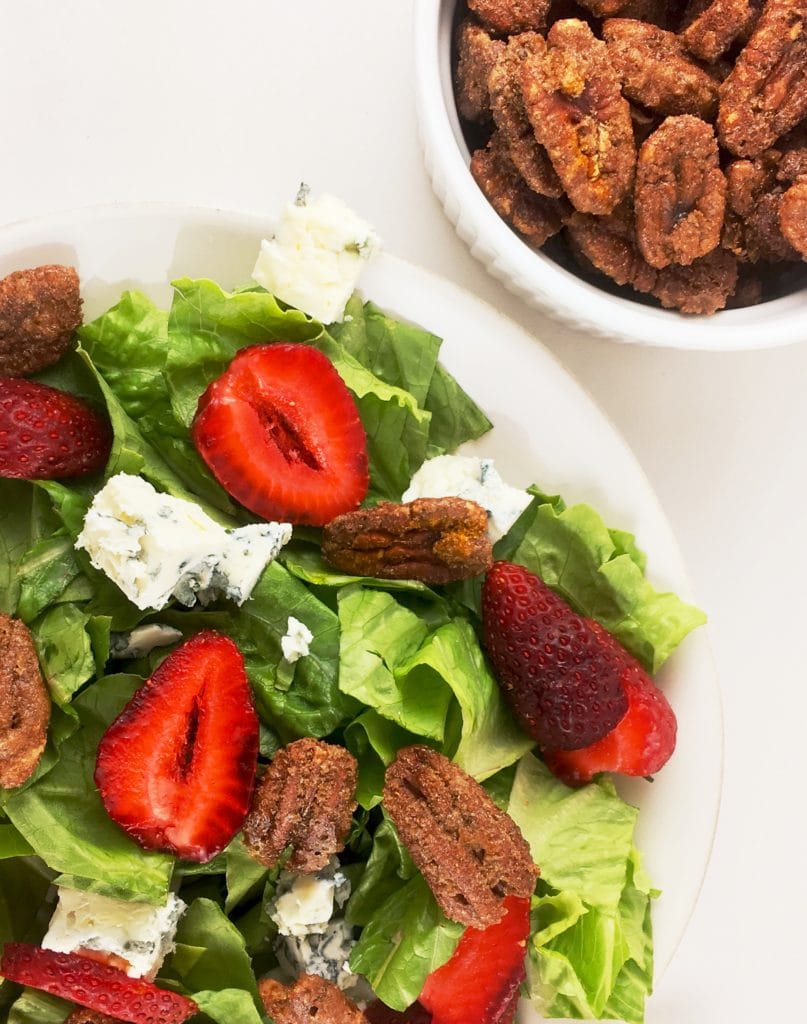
536 278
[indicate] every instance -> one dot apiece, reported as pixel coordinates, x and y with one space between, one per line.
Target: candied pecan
766 93
476 56
608 244
81 1015
435 540
680 195
309 998
655 71
573 100
305 800
507 17
507 104
752 231
471 853
702 287
748 291
792 148
24 704
40 309
793 216
711 26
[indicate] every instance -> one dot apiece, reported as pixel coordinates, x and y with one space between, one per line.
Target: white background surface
231 104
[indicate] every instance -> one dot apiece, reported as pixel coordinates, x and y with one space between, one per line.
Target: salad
165 613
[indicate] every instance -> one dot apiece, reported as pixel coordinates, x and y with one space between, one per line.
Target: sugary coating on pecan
608 244
573 100
434 540
536 217
752 230
766 93
471 853
711 26
793 216
680 197
655 71
40 308
507 105
310 998
305 800
81 1015
476 56
703 287
793 154
507 17
24 704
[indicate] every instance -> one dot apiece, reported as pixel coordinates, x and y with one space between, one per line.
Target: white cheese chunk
325 953
154 546
295 644
142 640
316 255
466 476
140 933
304 904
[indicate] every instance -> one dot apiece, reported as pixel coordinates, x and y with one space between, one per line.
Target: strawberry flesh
480 982
281 433
560 672
177 766
47 434
640 744
94 985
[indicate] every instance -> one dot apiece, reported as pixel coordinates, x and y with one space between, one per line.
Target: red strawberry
47 434
560 673
378 1013
281 434
481 980
176 767
97 986
640 744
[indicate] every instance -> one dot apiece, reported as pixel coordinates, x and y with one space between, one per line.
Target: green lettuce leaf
26 520
374 741
72 646
35 1007
388 867
245 876
12 844
228 1006
406 939
63 723
62 817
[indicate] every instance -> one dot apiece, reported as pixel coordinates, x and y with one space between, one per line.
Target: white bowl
532 275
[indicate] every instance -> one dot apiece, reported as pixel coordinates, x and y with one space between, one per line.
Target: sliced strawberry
640 744
47 434
94 985
281 434
481 980
560 672
176 767
378 1013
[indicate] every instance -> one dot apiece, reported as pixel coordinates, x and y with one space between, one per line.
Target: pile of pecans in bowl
665 143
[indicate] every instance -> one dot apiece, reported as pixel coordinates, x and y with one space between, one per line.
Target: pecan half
81 1015
793 216
752 230
608 244
305 800
471 853
573 100
507 104
24 704
680 195
435 540
655 71
310 998
766 93
507 17
40 309
793 149
711 26
703 287
476 56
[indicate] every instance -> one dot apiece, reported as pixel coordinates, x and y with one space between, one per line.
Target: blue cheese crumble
472 478
313 936
315 256
295 644
141 641
140 933
155 546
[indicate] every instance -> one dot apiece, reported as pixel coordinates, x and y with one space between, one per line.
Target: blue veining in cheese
155 546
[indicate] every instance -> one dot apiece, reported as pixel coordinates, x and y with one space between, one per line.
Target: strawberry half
47 434
176 767
281 434
481 980
640 744
94 985
560 673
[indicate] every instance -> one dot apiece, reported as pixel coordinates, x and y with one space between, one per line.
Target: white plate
548 430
